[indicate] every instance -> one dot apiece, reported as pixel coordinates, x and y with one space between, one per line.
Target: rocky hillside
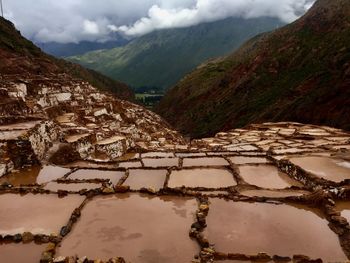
300 72
48 114
18 55
162 58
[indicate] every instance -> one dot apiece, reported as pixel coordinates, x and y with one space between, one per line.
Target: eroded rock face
96 125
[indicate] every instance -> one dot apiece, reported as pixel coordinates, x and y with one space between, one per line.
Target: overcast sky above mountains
76 20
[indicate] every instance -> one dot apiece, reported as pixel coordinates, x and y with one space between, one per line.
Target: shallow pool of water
247 160
162 162
208 178
127 165
34 174
138 228
50 173
39 214
20 253
24 176
266 176
251 228
139 178
207 161
332 169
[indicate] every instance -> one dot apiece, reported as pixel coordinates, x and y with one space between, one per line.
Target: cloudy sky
95 20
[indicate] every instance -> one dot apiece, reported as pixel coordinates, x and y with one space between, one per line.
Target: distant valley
158 60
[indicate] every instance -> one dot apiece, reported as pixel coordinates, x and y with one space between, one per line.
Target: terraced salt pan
266 176
332 169
208 178
73 187
136 164
207 161
162 162
35 174
247 160
139 178
89 174
19 126
19 253
22 177
138 228
38 214
250 228
50 173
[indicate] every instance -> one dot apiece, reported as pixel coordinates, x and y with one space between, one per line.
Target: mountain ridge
161 58
297 73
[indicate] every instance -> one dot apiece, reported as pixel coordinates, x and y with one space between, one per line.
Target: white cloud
211 10
90 27
76 20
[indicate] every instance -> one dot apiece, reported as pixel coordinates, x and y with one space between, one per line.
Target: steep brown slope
19 55
48 114
298 73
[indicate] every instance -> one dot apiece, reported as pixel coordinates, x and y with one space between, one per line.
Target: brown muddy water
138 228
24 176
208 161
20 253
38 214
266 176
136 164
139 178
34 174
162 162
247 160
208 178
332 169
284 230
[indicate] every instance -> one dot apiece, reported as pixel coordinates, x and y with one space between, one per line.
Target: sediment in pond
19 253
201 177
332 169
38 214
139 228
266 176
140 178
250 228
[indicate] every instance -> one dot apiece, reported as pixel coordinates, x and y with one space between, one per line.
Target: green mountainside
73 49
160 59
300 72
